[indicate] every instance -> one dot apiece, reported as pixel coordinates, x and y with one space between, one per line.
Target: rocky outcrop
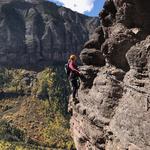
38 32
113 112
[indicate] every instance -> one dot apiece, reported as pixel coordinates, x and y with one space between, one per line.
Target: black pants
74 84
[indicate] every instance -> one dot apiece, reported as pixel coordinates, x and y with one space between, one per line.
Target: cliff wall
114 97
37 33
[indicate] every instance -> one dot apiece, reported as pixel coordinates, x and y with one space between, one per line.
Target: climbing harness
131 87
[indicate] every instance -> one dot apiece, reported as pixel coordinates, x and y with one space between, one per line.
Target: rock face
113 112
37 32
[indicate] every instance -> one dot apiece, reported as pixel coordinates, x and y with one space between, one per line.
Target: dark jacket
74 71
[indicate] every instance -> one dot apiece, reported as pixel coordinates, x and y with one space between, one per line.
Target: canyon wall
36 33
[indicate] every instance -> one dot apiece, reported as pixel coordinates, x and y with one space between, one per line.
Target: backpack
67 69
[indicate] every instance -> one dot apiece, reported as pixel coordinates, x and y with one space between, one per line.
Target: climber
73 75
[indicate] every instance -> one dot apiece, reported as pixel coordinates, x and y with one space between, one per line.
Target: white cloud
78 5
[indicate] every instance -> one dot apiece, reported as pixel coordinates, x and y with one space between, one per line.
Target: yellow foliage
9 146
4 145
20 148
44 82
57 133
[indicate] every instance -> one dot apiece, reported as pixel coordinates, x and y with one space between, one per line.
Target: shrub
10 133
5 78
57 134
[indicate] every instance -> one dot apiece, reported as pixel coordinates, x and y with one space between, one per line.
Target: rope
131 87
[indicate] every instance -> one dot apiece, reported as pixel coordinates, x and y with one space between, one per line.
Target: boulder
92 57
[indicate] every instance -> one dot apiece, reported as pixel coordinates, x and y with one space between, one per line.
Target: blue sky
98 5
87 7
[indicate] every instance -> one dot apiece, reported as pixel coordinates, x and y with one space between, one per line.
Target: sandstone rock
89 73
113 48
95 41
91 44
116 96
138 55
92 57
